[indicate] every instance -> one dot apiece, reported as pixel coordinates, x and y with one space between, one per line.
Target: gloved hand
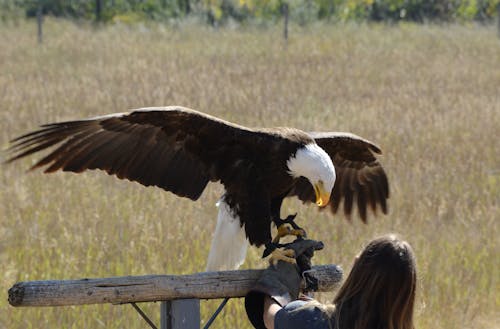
280 282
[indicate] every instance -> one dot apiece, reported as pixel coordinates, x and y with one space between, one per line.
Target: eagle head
312 162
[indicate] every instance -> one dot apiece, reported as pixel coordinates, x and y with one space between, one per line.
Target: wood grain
116 290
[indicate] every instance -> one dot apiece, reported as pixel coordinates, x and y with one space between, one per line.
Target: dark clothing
301 314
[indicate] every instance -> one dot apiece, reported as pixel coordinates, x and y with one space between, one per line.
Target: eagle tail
229 243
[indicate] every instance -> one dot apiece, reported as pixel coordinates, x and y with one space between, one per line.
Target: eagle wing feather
175 148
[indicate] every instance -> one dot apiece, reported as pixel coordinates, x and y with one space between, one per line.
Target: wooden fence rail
177 289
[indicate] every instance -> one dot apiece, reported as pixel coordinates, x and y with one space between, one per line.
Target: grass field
428 95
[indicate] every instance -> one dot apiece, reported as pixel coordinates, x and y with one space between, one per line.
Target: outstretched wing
174 148
360 177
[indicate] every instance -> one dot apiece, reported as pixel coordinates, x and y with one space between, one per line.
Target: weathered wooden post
182 313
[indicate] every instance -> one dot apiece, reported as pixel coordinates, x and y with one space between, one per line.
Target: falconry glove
280 282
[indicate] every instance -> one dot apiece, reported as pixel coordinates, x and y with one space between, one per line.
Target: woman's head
379 292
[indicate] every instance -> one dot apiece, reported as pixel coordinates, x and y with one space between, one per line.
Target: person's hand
280 282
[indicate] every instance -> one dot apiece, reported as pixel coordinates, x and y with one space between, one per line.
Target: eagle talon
270 248
299 230
286 255
296 229
284 230
290 219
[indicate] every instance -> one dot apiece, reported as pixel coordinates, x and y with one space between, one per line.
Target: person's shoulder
296 304
302 314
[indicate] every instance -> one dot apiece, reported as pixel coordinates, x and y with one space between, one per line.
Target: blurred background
419 78
221 12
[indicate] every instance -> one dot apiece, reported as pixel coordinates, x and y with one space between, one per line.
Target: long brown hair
379 292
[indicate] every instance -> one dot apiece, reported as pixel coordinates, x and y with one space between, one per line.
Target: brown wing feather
361 180
175 148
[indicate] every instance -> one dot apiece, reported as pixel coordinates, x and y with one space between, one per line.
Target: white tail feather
229 243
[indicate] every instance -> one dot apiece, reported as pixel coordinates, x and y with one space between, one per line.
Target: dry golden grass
429 96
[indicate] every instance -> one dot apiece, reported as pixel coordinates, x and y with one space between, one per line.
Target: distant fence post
39 20
285 21
498 18
98 10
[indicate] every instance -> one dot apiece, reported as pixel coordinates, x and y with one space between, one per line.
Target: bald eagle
180 150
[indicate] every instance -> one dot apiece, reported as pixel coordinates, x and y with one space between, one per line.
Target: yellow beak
322 196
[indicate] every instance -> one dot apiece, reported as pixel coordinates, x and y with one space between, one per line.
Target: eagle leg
284 230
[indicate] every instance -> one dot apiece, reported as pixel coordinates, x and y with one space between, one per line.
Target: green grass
428 95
